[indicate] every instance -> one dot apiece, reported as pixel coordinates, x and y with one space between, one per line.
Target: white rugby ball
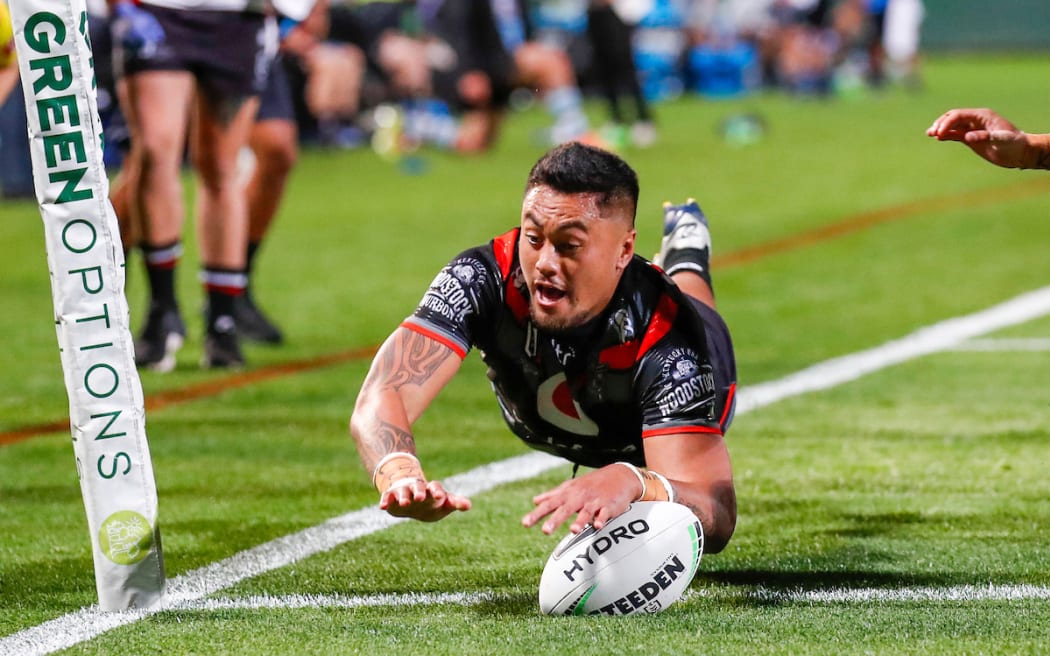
639 562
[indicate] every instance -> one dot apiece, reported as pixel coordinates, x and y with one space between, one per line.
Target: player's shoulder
479 267
504 250
652 292
668 317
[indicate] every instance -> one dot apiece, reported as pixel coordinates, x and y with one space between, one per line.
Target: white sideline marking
1006 344
192 587
938 337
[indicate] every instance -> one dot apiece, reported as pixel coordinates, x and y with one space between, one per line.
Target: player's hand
426 501
594 498
986 133
136 29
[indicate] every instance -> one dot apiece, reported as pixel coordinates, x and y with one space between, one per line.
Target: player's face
572 254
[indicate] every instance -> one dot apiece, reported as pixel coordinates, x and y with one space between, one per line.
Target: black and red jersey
591 395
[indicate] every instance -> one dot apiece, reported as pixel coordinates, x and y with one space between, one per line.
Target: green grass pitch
904 512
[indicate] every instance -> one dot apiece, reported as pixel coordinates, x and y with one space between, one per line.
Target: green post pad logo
126 537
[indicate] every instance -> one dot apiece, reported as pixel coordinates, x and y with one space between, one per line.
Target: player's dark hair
576 168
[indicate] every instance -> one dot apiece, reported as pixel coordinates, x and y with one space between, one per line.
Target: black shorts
224 50
276 102
469 28
723 359
363 24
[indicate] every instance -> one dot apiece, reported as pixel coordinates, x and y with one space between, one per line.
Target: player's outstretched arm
690 469
407 373
698 468
993 137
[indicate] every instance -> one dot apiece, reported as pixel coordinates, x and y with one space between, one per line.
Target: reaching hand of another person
136 29
993 137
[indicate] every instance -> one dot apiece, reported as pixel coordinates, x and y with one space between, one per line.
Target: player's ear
626 249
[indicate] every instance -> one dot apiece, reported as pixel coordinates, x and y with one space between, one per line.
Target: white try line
955 593
192 587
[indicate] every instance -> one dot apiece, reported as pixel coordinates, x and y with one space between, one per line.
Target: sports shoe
222 349
686 244
163 335
252 324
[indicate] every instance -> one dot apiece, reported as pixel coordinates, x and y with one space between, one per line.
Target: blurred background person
901 39
615 72
480 52
16 169
273 149
8 60
266 164
202 62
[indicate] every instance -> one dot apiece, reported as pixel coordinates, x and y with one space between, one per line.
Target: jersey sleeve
676 387
460 298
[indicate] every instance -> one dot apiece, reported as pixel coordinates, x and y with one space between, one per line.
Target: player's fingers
943 122
542 509
403 494
607 512
458 502
436 490
557 518
445 499
583 518
936 127
976 136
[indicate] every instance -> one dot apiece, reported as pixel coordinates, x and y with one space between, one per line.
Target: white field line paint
938 337
925 594
1006 344
344 601
971 593
87 623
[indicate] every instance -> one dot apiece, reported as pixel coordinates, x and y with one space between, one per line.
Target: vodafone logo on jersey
555 404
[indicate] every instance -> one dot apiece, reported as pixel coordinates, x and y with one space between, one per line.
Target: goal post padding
86 263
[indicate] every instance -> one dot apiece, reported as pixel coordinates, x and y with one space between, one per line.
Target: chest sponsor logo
555 404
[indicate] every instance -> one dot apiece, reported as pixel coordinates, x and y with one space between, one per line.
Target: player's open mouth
548 294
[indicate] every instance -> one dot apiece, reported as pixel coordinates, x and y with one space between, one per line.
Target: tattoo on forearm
411 361
393 438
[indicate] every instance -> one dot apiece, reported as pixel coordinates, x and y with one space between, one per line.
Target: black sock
161 262
689 259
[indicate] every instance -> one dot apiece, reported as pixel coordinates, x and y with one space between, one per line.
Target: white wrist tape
641 479
397 467
666 483
651 493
